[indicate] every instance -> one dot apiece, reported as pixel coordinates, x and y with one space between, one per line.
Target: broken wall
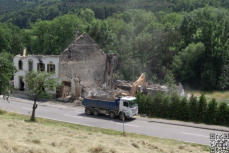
83 64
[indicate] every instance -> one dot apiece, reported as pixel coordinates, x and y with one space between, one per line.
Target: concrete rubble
123 86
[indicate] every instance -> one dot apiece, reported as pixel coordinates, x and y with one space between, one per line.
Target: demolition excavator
139 84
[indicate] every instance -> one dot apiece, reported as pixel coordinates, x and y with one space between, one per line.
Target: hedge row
175 107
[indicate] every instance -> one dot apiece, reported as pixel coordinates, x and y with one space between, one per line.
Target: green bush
184 115
202 108
221 115
165 108
175 107
211 112
157 105
193 109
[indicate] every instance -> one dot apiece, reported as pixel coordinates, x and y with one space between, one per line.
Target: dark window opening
30 66
51 68
20 65
21 84
41 67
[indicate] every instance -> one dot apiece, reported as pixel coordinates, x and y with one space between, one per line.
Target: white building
25 64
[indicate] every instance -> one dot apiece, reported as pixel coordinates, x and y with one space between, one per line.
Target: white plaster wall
36 59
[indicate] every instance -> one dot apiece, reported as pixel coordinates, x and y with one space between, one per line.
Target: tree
222 114
7 71
211 112
38 84
193 108
202 108
174 107
184 109
207 26
186 64
10 38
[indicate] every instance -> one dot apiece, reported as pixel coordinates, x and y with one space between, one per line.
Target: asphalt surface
140 126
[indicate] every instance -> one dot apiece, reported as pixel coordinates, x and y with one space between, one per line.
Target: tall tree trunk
34 109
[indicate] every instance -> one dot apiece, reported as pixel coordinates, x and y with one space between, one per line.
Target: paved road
76 115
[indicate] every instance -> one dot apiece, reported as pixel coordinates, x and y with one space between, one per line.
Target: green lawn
220 96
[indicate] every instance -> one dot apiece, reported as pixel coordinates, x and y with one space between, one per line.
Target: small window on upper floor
20 65
30 65
51 68
40 66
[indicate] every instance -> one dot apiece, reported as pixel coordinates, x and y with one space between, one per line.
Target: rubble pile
151 88
122 88
99 93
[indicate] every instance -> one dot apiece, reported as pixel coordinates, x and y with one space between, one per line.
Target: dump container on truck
125 107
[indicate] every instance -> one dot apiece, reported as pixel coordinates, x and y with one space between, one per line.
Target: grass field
46 136
220 96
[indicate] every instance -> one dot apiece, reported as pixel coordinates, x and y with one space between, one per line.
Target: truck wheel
122 116
95 112
112 115
87 111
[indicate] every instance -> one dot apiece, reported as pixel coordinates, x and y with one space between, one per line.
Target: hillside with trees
171 40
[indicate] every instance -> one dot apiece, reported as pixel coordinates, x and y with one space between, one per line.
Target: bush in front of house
180 108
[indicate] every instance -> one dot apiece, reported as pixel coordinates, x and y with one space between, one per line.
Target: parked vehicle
124 107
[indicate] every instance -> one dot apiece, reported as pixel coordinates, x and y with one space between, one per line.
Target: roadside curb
188 124
47 103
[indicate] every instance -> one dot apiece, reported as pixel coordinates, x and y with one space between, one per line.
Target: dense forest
171 40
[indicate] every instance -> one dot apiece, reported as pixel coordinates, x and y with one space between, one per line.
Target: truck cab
128 107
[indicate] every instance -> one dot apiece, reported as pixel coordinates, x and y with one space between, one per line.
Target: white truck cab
128 107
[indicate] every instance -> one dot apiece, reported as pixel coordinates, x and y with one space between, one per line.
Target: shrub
165 107
150 105
193 108
157 102
174 107
184 115
211 112
202 108
221 117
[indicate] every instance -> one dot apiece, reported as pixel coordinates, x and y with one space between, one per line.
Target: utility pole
123 126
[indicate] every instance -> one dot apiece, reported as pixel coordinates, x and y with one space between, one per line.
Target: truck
122 107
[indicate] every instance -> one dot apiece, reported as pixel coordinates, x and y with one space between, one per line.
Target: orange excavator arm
141 81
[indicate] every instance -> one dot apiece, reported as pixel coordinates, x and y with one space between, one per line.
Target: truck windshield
132 103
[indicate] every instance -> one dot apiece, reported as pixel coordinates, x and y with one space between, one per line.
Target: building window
20 65
41 67
21 83
51 68
30 65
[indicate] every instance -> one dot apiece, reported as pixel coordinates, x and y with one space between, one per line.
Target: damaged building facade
84 66
80 67
25 64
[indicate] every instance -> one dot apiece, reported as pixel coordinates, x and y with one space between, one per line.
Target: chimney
24 52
